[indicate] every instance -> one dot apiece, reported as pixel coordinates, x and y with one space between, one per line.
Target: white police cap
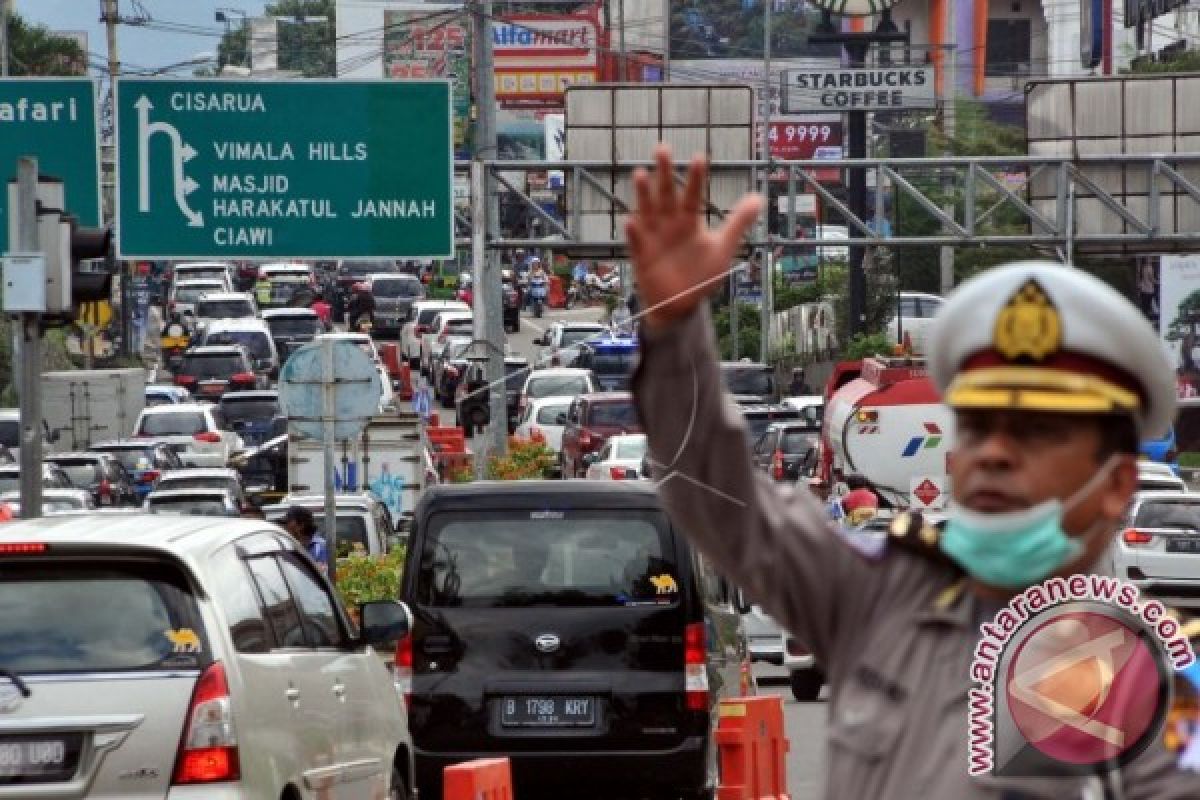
1041 336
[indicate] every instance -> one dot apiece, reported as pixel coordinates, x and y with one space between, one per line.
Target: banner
1179 320
537 56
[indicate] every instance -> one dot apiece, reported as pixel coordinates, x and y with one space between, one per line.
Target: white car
225 305
764 636
914 319
419 323
199 502
443 351
253 334
184 294
555 382
445 325
54 501
365 343
192 657
1156 477
363 523
810 406
1158 549
223 478
193 430
546 416
204 270
619 459
561 342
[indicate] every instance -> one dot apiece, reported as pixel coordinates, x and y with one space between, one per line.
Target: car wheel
398 790
806 684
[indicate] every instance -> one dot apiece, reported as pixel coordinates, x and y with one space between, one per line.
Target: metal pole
857 195
489 320
733 316
4 11
329 442
949 91
479 271
621 39
768 268
666 67
30 352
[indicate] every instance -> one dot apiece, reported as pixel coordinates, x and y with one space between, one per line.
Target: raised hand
676 259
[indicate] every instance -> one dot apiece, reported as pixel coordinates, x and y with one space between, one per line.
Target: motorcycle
537 294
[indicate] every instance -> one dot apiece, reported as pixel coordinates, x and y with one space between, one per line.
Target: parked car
252 334
1159 549
1154 477
363 523
197 432
538 576
166 395
560 344
54 501
102 474
205 658
749 382
53 477
784 448
619 459
251 414
591 419
223 478
423 314
914 316
209 372
545 417
472 395
394 295
144 460
292 328
444 325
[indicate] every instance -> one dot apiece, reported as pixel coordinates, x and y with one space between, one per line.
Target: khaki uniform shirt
893 636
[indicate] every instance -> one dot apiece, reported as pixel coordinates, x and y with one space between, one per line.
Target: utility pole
111 19
766 267
4 10
30 350
621 39
485 208
949 90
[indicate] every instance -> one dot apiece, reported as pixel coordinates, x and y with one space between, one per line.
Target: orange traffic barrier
557 295
389 354
446 440
753 749
483 779
405 379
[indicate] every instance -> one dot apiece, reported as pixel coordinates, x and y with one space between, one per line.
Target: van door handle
292 693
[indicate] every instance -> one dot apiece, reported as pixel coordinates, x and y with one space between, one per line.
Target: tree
305 47
36 50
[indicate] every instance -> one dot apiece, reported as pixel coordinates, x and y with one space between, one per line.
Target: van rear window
577 558
72 616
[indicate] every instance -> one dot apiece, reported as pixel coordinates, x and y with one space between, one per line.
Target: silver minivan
188 657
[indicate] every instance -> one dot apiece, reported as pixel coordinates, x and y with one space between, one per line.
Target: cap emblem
1029 325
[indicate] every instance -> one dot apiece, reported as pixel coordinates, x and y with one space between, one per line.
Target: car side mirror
383 622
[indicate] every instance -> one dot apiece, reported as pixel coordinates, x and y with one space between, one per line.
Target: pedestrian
799 386
1053 378
321 308
298 521
361 308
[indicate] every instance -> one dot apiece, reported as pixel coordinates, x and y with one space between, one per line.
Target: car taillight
695 666
1134 536
149 476
777 465
402 670
208 752
211 438
420 329
105 487
185 380
22 548
795 648
616 473
452 372
242 377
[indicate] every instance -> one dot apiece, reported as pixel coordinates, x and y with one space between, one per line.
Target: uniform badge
1029 325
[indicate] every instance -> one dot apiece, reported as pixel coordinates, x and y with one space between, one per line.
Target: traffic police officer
1053 377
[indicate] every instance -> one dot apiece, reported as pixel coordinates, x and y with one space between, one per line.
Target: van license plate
40 758
1183 544
529 711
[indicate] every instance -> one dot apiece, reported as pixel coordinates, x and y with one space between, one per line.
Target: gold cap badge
1029 325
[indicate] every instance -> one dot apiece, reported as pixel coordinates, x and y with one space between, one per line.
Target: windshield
613 362
10 433
757 424
257 342
295 326
249 409
460 327
567 385
10 481
198 482
548 415
218 274
351 532
197 506
190 294
1173 514
427 315
178 423
81 473
757 381
206 367
366 266
396 288
614 415
224 309
130 456
795 442
577 558
631 448
72 616
572 336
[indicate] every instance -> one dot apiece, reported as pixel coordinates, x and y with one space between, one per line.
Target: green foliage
1186 61
863 345
36 50
307 48
737 32
1189 459
362 578
749 332
791 296
527 459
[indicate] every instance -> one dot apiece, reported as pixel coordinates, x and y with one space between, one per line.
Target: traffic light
88 284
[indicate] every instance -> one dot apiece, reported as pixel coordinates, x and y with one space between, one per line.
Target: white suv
193 430
183 657
424 312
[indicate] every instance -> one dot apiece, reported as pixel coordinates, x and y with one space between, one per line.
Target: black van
570 627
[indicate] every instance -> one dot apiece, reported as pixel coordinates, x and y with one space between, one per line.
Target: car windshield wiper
16 681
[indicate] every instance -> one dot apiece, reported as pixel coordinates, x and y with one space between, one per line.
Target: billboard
537 56
803 138
418 46
1179 319
732 28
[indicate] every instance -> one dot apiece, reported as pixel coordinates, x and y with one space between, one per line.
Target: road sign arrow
189 186
143 104
188 153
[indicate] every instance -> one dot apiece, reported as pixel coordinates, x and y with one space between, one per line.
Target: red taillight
452 372
616 473
211 438
105 487
695 665
185 380
420 329
1134 536
208 752
777 465
243 377
149 476
402 670
22 548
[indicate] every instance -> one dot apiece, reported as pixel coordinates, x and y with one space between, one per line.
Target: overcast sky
140 47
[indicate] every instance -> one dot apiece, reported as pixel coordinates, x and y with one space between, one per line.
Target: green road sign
305 168
53 119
